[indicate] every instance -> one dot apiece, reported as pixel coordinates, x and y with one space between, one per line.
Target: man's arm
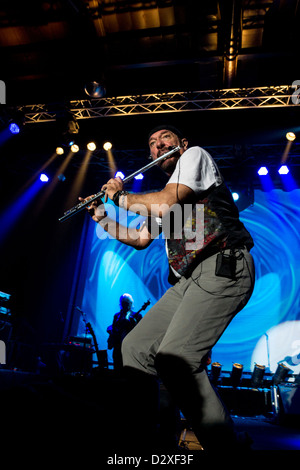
156 204
137 238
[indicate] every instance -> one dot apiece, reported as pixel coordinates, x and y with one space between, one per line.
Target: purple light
14 128
263 171
283 170
120 175
44 178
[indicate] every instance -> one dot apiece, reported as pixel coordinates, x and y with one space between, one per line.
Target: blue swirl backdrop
266 331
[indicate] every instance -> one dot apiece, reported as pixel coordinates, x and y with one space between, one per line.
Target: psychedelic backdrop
267 331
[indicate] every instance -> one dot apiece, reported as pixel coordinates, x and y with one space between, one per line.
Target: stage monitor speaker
5 337
5 331
289 395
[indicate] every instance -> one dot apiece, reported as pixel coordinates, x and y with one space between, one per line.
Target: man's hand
111 187
95 209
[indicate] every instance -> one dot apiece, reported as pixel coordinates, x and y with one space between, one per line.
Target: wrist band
116 197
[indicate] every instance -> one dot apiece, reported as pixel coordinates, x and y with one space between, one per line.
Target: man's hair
168 128
126 299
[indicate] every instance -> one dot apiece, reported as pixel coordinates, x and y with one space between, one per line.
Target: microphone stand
79 207
268 351
83 356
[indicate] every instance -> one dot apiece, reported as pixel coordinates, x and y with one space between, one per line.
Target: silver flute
69 213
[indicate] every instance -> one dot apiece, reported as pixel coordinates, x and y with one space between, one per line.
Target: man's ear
184 143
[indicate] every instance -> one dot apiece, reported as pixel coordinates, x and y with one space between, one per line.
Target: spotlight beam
111 163
79 179
40 170
54 180
10 217
286 152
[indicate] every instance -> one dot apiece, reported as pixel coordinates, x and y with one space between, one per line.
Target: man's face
126 304
160 143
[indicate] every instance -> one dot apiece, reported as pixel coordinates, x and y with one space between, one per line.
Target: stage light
107 145
215 372
257 375
236 374
140 176
243 194
59 150
61 177
263 171
15 121
283 170
281 373
74 148
44 178
120 175
66 123
95 89
290 136
91 146
14 128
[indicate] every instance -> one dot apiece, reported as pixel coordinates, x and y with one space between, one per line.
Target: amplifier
80 341
5 330
289 399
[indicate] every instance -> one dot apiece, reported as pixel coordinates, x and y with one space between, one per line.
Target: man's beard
169 164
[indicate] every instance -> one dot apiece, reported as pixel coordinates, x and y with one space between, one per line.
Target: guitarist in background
123 322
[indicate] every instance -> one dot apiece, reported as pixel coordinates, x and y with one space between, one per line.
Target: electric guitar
112 334
141 309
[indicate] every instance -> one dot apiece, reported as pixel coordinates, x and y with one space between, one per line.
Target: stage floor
267 434
72 412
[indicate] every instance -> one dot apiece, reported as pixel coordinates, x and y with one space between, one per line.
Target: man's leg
180 329
147 404
208 305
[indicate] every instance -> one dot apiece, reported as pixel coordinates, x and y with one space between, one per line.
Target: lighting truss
228 157
173 102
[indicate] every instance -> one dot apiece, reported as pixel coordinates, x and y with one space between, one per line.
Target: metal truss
173 102
238 163
226 156
252 156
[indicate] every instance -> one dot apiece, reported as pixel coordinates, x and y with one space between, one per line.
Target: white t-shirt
197 170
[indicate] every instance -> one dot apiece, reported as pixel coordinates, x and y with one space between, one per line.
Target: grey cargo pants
181 328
